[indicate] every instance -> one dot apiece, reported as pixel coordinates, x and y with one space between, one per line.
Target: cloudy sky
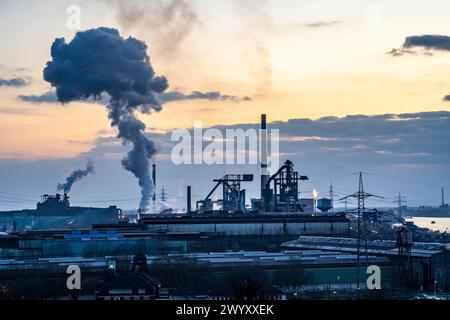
354 86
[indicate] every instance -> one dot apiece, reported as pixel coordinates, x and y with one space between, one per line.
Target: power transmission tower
361 196
163 195
400 200
444 242
331 196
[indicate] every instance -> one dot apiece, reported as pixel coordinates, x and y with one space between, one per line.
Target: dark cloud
431 42
171 96
447 97
51 97
422 45
379 139
197 95
100 61
48 97
15 82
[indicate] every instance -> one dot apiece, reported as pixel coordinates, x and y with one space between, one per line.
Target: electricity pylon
361 196
400 200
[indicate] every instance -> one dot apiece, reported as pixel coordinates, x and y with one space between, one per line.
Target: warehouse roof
261 258
374 247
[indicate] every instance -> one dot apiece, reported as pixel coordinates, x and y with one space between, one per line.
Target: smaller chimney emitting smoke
77 175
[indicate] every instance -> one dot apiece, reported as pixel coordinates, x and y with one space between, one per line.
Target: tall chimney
263 155
154 181
443 201
189 201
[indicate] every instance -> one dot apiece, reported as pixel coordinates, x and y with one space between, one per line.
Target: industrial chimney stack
263 155
189 200
154 181
443 200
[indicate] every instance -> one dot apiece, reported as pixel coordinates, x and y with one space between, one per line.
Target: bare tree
250 284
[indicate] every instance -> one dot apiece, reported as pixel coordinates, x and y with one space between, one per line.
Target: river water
441 224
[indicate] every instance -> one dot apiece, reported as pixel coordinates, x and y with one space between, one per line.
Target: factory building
427 262
89 243
246 225
280 212
157 235
54 212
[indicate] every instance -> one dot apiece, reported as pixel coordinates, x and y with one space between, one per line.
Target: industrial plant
288 246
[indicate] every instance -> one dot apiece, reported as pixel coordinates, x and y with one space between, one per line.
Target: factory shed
375 247
429 261
251 225
291 271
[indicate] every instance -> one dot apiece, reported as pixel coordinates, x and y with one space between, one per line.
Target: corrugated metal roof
380 247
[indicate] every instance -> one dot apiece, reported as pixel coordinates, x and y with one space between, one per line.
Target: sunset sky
293 59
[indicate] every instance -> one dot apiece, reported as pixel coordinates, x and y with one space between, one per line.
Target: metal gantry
233 197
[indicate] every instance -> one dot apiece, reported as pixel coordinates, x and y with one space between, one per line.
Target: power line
408 180
330 178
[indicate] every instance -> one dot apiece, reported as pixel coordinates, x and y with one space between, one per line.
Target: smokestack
263 155
154 181
443 202
189 201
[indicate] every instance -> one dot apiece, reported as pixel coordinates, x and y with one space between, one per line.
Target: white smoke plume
76 176
256 24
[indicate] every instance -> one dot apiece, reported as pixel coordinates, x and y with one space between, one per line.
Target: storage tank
324 205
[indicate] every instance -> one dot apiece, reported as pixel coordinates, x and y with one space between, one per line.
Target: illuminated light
315 194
